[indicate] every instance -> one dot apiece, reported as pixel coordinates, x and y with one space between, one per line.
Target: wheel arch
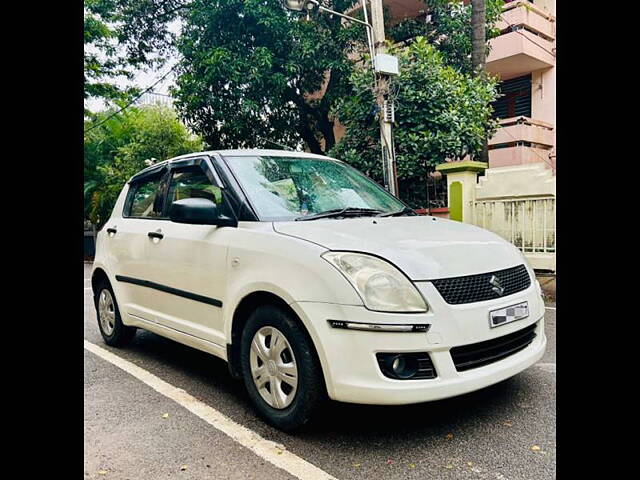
98 275
241 314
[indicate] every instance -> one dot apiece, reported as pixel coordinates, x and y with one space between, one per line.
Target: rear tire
114 332
289 387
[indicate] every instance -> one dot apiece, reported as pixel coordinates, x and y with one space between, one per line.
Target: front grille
476 288
477 355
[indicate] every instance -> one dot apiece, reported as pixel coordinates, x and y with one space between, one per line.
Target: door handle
112 230
157 235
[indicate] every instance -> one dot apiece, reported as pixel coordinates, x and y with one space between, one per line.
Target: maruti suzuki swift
311 281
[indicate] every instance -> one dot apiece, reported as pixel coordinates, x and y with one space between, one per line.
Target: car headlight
382 287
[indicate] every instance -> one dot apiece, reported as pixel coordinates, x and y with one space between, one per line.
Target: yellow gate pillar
462 178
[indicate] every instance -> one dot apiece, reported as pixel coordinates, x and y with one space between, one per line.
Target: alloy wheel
106 312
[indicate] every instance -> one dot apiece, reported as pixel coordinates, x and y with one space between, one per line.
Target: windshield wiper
404 211
338 212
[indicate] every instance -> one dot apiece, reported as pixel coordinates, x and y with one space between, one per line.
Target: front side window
283 188
192 183
146 199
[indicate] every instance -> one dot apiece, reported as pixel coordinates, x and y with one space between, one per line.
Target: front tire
280 368
114 332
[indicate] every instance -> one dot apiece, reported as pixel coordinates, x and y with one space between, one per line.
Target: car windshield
286 188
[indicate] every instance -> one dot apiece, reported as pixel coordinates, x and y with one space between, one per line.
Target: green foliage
450 29
120 36
143 28
441 113
250 72
249 69
117 149
102 63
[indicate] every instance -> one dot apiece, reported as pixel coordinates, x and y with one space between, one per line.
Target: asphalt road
488 434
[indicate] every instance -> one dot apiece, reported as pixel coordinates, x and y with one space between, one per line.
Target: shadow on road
213 384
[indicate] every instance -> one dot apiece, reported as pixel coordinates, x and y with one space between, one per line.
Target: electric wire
132 101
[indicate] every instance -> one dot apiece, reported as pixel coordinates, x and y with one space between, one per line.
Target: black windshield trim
338 212
409 211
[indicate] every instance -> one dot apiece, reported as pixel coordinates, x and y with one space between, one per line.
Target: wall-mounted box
387 64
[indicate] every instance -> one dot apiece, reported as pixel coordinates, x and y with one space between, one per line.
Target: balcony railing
529 17
523 129
526 44
522 140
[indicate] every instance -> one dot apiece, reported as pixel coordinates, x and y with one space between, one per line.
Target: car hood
423 247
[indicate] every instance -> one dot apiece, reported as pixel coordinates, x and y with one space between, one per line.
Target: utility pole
384 66
384 101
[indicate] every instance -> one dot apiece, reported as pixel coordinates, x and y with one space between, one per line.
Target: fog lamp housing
406 366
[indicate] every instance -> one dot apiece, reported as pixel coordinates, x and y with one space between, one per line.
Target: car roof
252 152
245 152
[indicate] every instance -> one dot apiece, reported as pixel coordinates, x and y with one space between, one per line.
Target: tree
254 74
102 63
478 37
117 149
450 29
441 113
121 36
478 52
461 33
251 73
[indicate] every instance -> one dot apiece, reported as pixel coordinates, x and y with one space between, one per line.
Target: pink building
523 58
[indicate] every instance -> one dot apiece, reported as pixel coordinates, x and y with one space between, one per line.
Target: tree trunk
325 125
307 133
478 51
478 39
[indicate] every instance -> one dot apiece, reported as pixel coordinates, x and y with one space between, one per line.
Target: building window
515 100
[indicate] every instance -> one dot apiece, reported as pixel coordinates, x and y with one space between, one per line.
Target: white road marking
550 308
87 288
272 452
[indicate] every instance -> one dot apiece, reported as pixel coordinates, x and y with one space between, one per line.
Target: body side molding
174 291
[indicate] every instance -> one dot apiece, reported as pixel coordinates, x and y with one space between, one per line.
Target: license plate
508 314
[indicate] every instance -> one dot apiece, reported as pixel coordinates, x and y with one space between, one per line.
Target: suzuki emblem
496 285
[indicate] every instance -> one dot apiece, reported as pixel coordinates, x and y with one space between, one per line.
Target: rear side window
192 183
145 199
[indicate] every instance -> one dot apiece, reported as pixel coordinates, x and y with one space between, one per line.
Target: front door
187 263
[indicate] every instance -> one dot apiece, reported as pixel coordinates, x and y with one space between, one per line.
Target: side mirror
199 211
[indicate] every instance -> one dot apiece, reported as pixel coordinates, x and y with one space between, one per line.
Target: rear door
187 263
142 212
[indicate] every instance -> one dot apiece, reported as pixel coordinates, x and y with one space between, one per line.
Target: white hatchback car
311 281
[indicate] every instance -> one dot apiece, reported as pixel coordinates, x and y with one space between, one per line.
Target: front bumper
348 357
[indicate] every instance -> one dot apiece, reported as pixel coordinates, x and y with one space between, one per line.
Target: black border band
171 290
